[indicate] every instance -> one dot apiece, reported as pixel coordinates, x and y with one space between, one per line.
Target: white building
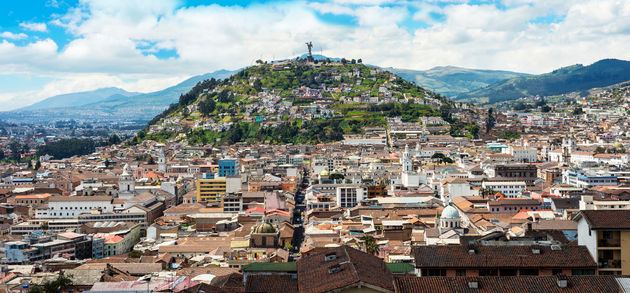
587 179
126 184
510 189
67 207
588 203
455 187
350 195
523 154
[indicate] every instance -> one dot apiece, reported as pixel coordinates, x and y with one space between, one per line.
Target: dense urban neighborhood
323 176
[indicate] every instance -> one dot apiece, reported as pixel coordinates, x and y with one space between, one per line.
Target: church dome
264 228
450 212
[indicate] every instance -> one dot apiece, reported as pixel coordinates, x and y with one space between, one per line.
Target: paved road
298 218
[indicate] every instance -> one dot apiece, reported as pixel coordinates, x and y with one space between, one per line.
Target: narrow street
298 216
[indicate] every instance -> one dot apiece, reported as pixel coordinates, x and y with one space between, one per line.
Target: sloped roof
607 219
459 256
271 283
353 266
507 284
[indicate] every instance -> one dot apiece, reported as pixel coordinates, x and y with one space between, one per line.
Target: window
433 272
488 272
529 272
580 272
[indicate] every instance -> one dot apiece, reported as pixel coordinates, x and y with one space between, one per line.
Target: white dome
450 212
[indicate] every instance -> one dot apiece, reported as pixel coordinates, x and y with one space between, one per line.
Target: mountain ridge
564 80
453 80
77 98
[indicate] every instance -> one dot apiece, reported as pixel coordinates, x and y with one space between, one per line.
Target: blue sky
51 47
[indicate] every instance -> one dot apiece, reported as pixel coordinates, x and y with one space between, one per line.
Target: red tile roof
271 283
507 284
349 268
607 219
461 256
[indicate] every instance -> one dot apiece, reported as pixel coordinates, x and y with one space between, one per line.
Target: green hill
293 102
451 81
561 81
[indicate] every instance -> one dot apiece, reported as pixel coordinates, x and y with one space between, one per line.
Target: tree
15 148
578 111
114 139
207 106
344 61
490 120
335 176
38 165
135 254
259 61
359 61
370 244
487 192
545 108
54 286
600 150
258 85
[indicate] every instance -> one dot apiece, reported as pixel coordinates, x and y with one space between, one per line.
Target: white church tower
409 178
126 183
161 161
406 161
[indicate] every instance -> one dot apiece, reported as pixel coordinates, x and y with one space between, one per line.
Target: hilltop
561 81
451 81
293 102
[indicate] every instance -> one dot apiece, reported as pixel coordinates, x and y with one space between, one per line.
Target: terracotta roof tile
507 284
460 256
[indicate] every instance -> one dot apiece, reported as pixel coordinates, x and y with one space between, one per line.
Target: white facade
507 188
64 207
523 154
126 183
350 196
587 203
587 179
456 189
587 237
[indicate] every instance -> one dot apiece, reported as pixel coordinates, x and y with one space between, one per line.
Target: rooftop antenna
310 54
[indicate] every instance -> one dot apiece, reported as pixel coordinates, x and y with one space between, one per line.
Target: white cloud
12 36
34 26
108 34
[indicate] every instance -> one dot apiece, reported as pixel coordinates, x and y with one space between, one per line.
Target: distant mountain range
460 84
451 81
568 79
111 104
79 99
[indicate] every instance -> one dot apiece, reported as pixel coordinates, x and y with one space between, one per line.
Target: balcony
609 263
609 243
608 239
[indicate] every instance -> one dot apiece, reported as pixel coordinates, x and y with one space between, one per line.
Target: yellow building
210 190
606 234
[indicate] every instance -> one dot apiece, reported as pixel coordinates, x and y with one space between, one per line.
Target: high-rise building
228 167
